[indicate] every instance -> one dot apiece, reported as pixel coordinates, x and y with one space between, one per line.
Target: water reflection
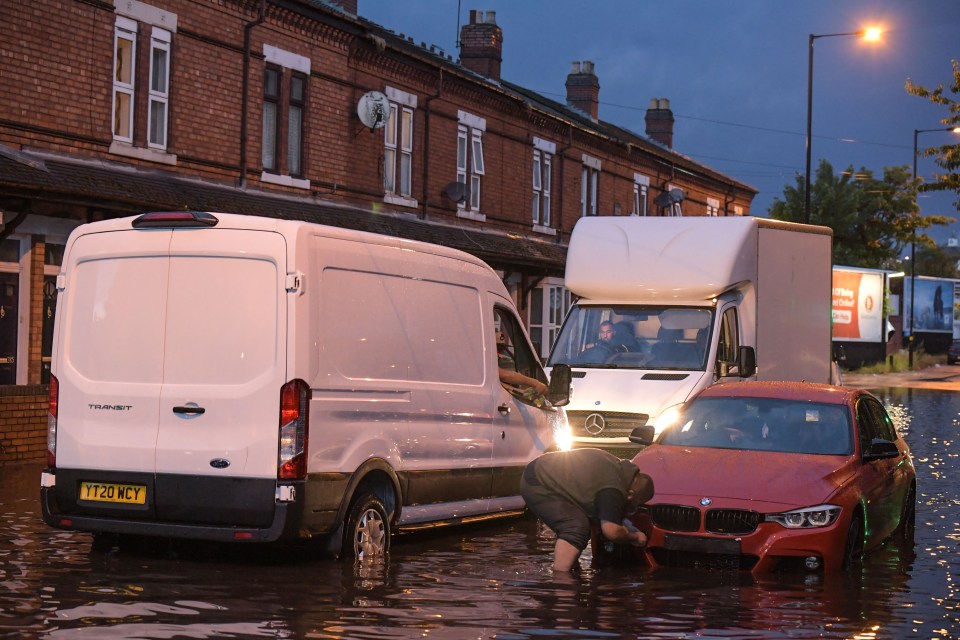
492 581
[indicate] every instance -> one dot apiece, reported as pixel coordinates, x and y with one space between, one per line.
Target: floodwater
492 581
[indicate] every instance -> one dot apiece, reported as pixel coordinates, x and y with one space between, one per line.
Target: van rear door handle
504 409
191 411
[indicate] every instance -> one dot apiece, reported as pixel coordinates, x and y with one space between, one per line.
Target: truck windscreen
634 337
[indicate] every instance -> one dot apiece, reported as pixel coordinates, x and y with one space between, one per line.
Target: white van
237 378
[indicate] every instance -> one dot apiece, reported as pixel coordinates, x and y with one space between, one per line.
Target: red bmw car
767 476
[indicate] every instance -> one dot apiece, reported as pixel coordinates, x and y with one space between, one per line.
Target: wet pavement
491 581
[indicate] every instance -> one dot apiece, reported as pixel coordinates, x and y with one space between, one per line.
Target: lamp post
870 34
913 241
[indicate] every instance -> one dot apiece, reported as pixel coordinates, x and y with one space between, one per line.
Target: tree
946 156
938 262
872 219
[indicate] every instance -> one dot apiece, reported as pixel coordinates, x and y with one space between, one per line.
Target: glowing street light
871 34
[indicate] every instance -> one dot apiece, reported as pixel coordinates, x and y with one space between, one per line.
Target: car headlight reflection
809 518
667 418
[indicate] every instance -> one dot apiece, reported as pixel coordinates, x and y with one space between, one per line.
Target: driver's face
606 333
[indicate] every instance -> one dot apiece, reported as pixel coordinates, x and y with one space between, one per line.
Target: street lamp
913 240
871 35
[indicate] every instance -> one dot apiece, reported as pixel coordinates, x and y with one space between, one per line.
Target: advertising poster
956 312
857 306
932 305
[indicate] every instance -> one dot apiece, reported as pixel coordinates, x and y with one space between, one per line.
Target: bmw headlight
808 518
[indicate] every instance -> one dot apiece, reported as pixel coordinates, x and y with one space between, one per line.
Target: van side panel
402 370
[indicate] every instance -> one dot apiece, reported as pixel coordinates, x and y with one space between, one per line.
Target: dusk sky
735 73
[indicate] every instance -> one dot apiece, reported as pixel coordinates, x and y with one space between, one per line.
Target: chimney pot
491 17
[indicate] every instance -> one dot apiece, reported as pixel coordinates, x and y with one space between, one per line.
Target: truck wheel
367 531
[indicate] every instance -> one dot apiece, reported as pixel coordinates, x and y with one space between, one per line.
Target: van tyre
367 531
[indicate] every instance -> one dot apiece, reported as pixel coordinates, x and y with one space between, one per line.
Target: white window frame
470 164
159 41
287 61
713 207
124 29
589 182
542 212
398 139
641 187
556 301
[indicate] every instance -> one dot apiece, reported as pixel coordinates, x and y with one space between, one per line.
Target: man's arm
618 533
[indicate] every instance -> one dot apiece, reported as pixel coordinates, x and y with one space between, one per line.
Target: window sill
150 155
287 181
550 231
469 214
400 201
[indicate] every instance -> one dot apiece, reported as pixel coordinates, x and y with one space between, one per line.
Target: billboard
932 302
858 305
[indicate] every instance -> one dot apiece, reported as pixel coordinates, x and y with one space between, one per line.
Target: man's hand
639 538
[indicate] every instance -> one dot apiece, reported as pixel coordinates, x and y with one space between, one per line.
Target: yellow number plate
124 493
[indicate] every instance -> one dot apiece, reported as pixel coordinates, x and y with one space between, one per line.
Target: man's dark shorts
564 517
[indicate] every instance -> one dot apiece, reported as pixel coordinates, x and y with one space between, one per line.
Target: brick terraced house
299 109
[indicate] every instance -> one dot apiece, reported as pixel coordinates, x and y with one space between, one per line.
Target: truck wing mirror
560 379
747 361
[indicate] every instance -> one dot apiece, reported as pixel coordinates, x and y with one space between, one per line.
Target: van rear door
112 343
224 364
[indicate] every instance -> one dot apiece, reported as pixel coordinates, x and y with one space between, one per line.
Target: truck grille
604 424
732 521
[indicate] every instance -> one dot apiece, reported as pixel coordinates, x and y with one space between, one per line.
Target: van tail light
52 422
294 430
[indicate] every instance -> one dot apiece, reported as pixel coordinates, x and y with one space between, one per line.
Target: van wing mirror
748 362
560 379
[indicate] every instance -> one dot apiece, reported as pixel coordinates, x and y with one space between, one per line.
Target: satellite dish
373 109
670 198
677 195
456 191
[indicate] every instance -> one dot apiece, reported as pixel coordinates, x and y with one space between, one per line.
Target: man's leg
565 555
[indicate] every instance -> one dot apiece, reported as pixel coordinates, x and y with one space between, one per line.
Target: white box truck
668 306
239 378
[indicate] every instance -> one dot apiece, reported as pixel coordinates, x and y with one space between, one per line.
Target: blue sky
735 72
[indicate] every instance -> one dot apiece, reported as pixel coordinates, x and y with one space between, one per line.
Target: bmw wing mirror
881 449
643 435
560 379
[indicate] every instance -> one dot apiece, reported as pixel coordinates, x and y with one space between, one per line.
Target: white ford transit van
238 378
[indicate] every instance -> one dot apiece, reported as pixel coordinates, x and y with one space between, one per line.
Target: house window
298 88
543 152
589 182
470 167
124 77
713 207
641 185
159 88
285 99
271 123
548 306
398 151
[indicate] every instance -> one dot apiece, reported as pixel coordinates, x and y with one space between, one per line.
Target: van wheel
367 531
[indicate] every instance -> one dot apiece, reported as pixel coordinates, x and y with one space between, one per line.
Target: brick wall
23 423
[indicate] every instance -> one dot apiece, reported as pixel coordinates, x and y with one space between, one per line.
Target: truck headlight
808 518
666 418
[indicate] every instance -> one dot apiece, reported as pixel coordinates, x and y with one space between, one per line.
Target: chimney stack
583 88
481 44
349 6
660 121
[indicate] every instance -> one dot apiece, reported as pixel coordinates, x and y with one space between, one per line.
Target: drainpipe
426 146
247 28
